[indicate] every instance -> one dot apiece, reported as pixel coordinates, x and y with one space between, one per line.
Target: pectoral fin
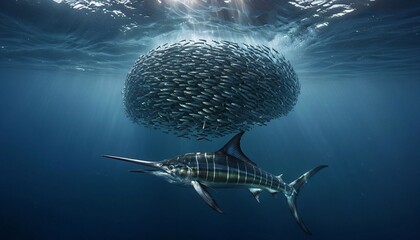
205 195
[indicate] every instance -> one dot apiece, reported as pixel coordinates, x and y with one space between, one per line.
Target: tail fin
293 192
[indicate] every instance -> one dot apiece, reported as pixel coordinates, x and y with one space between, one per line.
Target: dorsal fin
233 148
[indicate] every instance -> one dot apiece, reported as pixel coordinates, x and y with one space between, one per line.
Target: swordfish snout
142 162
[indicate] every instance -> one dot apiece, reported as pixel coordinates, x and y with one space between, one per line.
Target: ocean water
63 65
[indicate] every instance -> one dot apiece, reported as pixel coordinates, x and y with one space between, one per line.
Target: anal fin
273 192
256 193
201 190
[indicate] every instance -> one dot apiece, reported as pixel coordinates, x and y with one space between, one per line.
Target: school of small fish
206 89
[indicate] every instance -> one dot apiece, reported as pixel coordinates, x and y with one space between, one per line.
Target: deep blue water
62 70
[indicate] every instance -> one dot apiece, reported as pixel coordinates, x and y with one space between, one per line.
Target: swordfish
228 167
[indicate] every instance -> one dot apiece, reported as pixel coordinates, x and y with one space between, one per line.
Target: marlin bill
228 167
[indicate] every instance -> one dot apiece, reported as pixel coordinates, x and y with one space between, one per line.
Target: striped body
217 169
227 168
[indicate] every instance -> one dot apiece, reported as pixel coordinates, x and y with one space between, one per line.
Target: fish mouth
158 168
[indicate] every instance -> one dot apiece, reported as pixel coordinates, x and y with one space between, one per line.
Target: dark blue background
55 185
358 112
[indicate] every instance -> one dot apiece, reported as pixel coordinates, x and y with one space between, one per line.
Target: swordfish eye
171 167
